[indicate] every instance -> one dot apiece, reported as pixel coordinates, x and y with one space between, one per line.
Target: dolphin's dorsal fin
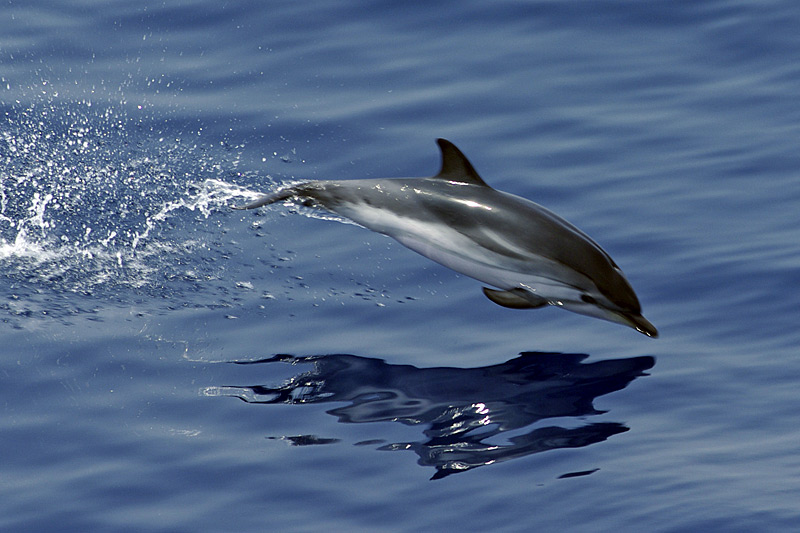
455 166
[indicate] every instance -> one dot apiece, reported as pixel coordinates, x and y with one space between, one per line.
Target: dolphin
532 257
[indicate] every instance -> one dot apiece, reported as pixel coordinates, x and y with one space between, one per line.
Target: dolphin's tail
271 198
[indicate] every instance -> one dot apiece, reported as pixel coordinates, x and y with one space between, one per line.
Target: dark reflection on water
472 416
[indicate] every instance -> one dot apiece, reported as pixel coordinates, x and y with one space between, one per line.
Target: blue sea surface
169 364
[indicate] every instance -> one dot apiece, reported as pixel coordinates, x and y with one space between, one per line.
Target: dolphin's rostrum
531 255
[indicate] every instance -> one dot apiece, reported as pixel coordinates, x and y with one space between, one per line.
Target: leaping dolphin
534 257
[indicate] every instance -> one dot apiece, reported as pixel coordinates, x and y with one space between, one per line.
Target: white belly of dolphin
458 252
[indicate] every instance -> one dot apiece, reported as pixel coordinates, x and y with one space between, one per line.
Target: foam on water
93 201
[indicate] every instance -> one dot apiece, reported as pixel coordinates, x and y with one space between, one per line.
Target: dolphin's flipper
271 198
515 299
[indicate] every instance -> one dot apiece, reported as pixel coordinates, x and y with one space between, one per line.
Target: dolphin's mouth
631 319
641 324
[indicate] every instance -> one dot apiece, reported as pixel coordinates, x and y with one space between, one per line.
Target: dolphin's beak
640 324
631 319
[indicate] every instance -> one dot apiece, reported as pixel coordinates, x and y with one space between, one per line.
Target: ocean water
169 364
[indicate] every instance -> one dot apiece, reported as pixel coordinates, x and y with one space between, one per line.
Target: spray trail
91 201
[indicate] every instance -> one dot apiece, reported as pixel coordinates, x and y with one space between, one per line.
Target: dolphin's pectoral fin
515 298
455 166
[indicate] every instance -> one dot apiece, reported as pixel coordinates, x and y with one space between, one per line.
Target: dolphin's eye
588 299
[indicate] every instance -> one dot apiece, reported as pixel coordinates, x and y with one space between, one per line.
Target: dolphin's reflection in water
469 414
